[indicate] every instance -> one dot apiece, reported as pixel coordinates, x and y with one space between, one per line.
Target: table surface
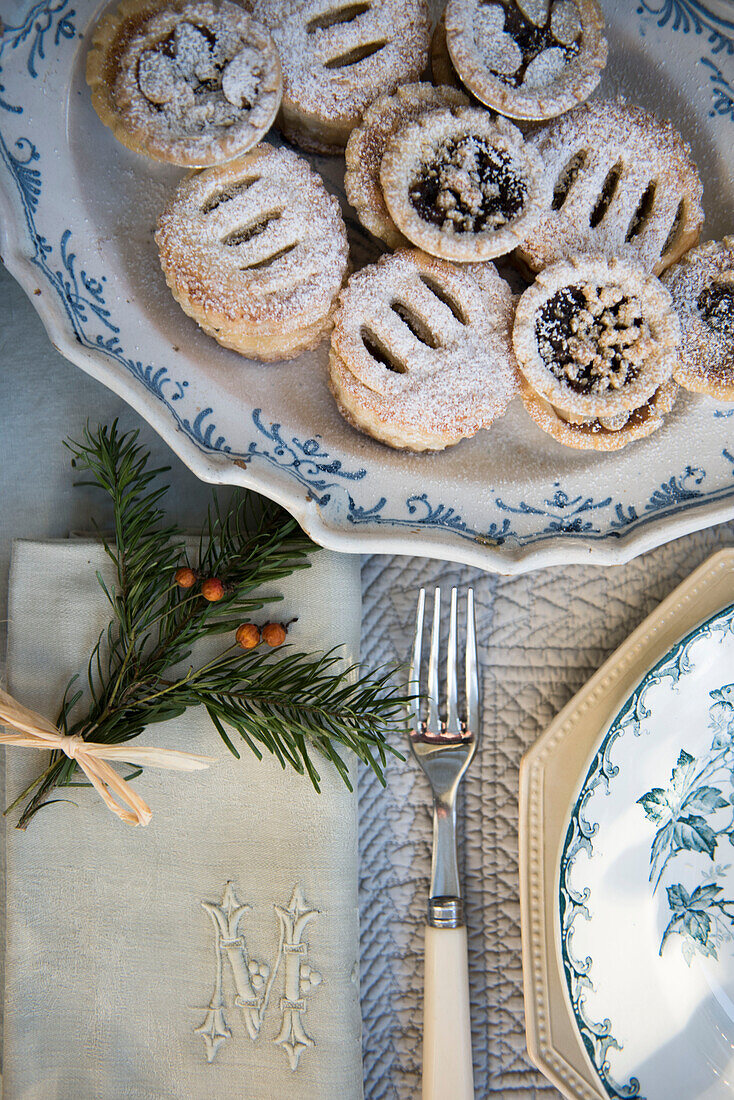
541 636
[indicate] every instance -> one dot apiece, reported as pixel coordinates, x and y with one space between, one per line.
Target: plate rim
588 784
546 804
674 510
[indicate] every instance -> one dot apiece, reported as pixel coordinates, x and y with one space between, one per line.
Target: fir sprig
294 705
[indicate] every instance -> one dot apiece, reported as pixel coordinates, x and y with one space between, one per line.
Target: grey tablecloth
541 636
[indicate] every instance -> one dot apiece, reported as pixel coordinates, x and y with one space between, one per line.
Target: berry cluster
248 635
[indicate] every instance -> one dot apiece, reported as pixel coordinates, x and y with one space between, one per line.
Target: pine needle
299 707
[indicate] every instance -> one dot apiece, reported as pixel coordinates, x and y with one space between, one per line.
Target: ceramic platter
78 211
628 891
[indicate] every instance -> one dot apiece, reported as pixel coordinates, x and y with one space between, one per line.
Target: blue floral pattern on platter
51 26
691 815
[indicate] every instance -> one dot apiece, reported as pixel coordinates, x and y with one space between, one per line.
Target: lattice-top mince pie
421 355
194 83
528 59
256 252
368 142
460 184
596 339
618 181
337 57
702 286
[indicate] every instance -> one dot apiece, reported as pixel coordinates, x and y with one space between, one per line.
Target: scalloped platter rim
77 217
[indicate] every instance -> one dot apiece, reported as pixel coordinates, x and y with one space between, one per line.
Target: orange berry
273 634
212 589
248 635
185 577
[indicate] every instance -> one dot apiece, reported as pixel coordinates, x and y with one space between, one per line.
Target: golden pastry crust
595 337
368 142
527 59
194 82
702 286
374 415
442 67
460 184
592 435
256 252
338 58
421 351
618 181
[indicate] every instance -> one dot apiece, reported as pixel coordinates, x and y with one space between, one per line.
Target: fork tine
472 663
433 723
453 723
414 674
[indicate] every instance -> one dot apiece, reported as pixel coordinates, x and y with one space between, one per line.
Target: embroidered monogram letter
253 980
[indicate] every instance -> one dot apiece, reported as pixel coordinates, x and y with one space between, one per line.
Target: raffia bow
36 732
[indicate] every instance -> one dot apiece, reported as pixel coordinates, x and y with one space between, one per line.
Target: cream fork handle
447 1062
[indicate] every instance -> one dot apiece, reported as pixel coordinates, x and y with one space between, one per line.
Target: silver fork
445 749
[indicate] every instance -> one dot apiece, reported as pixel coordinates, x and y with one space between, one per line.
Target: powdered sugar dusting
334 72
429 341
596 338
500 52
528 59
460 184
197 78
605 433
633 177
545 68
368 142
271 254
241 78
702 286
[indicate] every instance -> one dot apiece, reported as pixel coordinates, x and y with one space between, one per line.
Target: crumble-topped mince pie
528 59
421 354
702 286
256 252
193 83
368 141
618 181
460 184
337 57
595 340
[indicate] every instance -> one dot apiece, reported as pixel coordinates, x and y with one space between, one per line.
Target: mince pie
528 59
702 286
256 252
193 83
338 58
442 67
601 434
365 147
595 340
460 184
421 355
617 181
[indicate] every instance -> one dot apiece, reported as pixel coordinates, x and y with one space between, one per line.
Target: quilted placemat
541 636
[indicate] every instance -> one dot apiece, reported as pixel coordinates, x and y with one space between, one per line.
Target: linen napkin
212 954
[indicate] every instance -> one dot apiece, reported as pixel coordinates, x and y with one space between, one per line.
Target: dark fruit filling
468 187
532 40
181 51
716 305
592 339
